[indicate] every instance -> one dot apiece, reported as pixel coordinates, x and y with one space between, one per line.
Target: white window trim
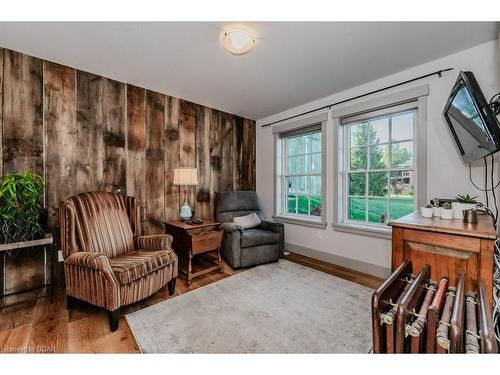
304 220
417 95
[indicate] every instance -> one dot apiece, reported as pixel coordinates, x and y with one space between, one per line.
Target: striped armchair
106 261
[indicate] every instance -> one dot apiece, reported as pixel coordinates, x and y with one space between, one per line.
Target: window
302 177
379 166
379 170
299 186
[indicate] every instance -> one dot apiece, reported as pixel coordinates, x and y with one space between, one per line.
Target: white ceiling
292 62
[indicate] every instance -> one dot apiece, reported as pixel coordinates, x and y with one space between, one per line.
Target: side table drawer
206 241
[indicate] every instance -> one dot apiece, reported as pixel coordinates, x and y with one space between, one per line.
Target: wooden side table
192 240
35 245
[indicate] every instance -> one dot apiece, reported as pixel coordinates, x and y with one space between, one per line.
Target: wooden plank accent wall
136 145
22 113
203 160
113 107
89 137
172 152
1 111
61 132
85 132
226 161
155 168
187 144
215 154
22 129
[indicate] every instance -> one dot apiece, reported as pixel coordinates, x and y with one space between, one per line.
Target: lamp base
185 212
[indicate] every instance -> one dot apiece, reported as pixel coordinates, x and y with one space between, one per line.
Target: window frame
397 110
415 98
302 126
285 174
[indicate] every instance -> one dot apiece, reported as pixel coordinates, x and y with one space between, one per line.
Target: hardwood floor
45 327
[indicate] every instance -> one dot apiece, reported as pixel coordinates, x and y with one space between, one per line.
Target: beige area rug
280 307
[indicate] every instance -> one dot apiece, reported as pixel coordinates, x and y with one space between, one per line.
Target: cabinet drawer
206 241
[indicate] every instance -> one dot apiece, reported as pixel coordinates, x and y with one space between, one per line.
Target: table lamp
185 177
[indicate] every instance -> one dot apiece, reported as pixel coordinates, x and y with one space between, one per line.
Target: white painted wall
447 175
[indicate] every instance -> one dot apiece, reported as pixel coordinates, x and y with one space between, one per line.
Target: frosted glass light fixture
237 41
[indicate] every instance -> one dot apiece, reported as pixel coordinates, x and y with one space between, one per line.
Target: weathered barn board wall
114 124
226 162
172 152
22 129
187 144
89 137
155 168
136 145
215 153
1 111
203 160
85 132
22 113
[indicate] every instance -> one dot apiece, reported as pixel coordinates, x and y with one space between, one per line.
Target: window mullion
368 165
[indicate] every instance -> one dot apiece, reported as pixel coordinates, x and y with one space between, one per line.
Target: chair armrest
230 227
96 261
272 226
275 227
154 242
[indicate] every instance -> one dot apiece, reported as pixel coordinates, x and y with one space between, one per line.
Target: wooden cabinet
448 246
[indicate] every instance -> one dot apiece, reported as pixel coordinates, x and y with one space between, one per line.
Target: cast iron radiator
413 314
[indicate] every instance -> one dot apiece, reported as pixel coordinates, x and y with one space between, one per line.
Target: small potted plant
426 211
20 207
464 202
446 211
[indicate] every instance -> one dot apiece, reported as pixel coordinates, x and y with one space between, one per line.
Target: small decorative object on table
470 216
446 211
464 202
436 210
185 177
426 211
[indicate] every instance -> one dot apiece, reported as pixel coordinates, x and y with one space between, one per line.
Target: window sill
300 221
364 230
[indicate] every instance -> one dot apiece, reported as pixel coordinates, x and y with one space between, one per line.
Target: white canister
436 211
458 209
426 211
446 213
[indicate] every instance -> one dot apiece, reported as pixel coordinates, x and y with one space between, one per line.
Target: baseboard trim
357 265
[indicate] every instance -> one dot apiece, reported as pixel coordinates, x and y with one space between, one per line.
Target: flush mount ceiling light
238 41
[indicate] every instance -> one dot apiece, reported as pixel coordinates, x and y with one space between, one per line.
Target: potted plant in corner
446 211
464 202
20 207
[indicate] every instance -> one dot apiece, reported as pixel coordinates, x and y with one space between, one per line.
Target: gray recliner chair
247 247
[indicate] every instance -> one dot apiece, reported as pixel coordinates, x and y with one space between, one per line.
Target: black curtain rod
439 73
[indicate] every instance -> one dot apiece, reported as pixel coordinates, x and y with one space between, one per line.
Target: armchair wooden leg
70 302
114 319
171 286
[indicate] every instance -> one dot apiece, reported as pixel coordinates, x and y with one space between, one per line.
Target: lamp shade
185 176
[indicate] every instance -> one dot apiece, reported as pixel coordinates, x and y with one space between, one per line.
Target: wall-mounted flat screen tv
471 120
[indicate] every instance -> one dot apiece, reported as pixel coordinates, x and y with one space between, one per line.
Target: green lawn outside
377 207
303 206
